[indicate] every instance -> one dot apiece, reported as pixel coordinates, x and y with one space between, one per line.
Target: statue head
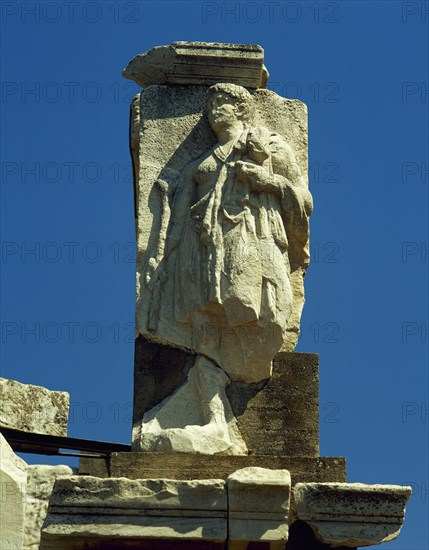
226 103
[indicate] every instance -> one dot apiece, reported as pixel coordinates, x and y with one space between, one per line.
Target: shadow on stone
301 537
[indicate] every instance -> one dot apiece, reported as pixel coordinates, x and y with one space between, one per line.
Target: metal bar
27 442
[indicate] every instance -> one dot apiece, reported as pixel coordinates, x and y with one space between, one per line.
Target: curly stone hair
240 96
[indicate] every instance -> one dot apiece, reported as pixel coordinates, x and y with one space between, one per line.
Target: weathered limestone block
193 466
258 507
33 408
280 416
123 513
199 63
97 467
352 514
40 481
13 479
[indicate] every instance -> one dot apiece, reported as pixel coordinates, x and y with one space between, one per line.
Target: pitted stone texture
258 506
85 510
280 416
33 408
352 514
201 63
193 466
13 479
40 481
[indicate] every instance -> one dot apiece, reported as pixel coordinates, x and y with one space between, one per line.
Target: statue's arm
288 177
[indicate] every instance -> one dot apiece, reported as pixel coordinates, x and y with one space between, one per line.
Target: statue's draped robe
232 265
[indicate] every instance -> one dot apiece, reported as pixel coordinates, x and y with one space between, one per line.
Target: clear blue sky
361 67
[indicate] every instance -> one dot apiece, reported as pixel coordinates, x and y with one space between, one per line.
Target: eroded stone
352 514
199 63
40 481
133 512
33 408
13 480
196 418
258 506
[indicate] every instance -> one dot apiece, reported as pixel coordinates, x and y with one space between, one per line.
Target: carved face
222 110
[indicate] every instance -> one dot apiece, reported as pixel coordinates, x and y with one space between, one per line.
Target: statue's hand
257 177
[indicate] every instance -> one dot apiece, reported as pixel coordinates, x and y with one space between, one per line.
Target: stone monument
225 426
222 232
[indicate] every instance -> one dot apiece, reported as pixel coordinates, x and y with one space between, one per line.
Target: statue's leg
196 418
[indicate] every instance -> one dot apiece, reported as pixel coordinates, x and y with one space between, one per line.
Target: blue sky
67 285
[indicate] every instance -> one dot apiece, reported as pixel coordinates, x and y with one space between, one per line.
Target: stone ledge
352 514
88 512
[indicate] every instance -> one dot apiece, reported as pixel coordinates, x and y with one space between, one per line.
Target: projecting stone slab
258 507
33 408
40 481
13 478
201 63
352 514
92 512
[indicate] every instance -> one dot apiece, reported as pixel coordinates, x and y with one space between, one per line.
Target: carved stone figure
233 212
221 259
